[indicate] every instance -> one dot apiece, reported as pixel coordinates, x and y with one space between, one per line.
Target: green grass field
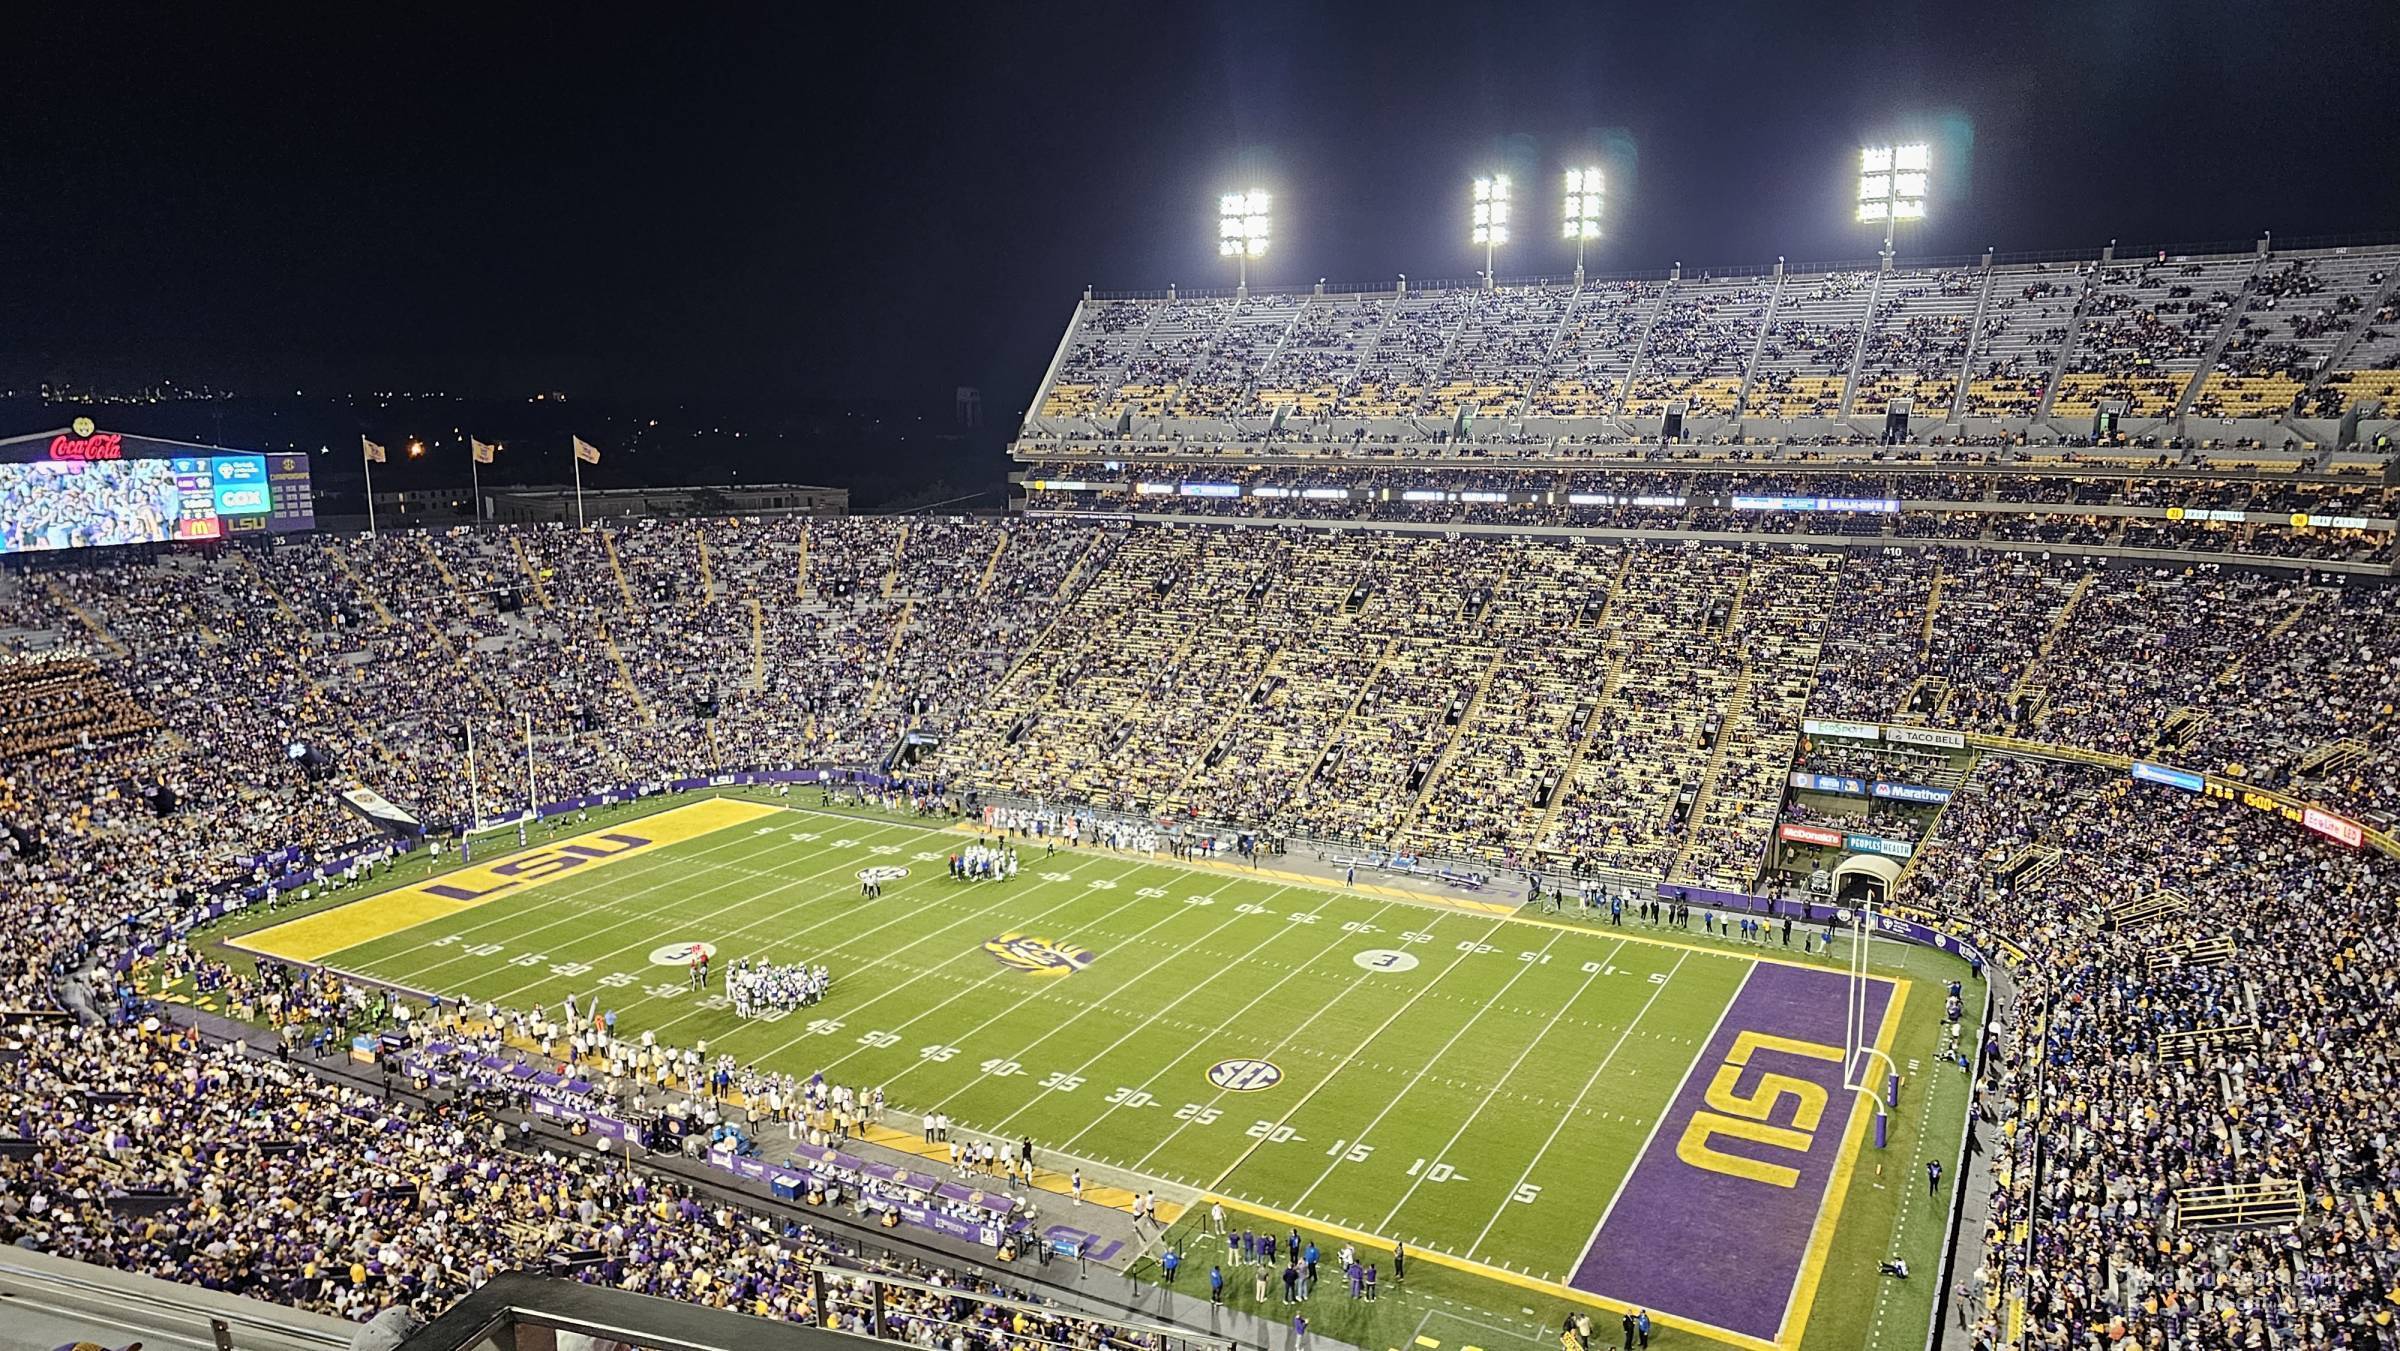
1478 1084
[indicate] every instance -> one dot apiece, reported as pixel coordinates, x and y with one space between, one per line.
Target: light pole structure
1891 186
1242 229
1585 191
1490 217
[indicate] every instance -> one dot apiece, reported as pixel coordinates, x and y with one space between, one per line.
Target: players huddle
760 988
984 862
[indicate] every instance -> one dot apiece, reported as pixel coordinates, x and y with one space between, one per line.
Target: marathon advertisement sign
1828 783
1793 833
1910 792
1919 736
1862 731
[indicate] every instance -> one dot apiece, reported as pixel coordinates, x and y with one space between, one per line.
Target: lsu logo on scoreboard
1758 1116
1038 956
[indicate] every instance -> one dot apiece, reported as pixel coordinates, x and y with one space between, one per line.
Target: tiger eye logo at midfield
1040 956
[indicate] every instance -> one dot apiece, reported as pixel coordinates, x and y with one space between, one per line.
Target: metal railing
862 1303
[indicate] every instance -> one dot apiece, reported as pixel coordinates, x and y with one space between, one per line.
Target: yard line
1494 1090
761 1058
673 913
906 1070
904 916
1652 1137
1597 1071
678 868
1414 1079
568 890
1178 954
1261 997
1360 979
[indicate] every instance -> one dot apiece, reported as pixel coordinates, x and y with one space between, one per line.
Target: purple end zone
1714 1221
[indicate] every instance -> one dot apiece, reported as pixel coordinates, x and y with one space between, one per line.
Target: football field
1550 1113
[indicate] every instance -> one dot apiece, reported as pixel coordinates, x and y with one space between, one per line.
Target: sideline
1430 900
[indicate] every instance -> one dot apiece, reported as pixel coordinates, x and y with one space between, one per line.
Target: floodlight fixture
1892 185
1489 216
1586 190
1243 227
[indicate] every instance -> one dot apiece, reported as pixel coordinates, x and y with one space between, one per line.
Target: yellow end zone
379 916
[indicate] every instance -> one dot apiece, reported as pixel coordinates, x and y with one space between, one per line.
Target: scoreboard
84 488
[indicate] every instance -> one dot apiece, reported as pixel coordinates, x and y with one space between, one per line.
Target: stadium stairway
90 622
758 647
625 677
2025 682
1734 704
532 571
1610 679
1450 746
891 574
891 650
616 568
991 567
374 602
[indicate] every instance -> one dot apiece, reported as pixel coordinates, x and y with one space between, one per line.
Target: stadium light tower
1242 227
1585 189
1891 186
1491 218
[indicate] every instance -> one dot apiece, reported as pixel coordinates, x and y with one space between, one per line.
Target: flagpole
574 454
532 808
475 470
368 461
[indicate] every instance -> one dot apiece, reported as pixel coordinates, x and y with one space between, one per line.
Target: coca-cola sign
96 446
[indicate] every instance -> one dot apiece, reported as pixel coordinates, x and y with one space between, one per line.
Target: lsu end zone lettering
1726 1216
321 935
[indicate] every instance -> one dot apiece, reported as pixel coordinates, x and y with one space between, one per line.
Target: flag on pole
484 451
586 451
374 451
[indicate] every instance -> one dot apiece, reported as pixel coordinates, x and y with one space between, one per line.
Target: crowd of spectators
138 1143
2148 1063
1615 707
2217 337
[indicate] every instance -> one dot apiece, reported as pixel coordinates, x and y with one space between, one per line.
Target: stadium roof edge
2124 253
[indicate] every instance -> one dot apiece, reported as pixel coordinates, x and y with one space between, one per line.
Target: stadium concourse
1601 649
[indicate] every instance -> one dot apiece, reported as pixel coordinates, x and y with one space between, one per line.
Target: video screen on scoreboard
107 489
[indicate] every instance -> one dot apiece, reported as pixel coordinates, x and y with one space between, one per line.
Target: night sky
697 202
